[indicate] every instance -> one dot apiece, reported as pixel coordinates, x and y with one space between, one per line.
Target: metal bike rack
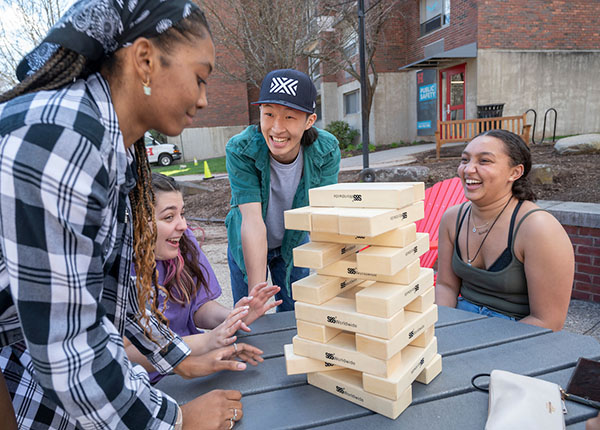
534 123
554 131
544 126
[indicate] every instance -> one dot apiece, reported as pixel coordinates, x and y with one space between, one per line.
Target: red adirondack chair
438 198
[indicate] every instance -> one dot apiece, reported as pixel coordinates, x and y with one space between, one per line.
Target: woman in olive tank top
499 253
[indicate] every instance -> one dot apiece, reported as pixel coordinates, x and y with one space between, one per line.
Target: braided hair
64 67
519 153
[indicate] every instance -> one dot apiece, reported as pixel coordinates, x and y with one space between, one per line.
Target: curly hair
519 153
185 274
64 67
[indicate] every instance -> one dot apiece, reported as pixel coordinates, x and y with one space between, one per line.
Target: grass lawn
216 165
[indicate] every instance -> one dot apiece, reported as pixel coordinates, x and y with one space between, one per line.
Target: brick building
440 59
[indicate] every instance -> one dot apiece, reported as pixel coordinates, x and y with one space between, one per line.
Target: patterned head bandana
95 28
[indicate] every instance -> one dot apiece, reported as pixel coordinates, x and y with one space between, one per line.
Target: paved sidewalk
389 157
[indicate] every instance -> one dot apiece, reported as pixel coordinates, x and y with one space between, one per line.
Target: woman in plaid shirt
74 202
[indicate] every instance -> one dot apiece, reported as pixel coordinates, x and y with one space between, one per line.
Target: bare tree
263 34
273 34
340 52
24 25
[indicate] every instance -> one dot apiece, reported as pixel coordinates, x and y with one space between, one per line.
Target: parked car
161 153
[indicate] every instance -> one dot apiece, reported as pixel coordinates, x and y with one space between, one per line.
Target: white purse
521 402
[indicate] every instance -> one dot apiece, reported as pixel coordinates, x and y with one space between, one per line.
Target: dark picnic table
469 344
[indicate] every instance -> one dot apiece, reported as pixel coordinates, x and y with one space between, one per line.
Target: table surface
469 344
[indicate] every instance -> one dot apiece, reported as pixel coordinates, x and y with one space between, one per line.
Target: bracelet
179 422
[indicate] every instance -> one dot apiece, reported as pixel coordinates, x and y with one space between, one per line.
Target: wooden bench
466 129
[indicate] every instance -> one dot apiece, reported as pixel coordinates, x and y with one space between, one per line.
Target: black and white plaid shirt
66 297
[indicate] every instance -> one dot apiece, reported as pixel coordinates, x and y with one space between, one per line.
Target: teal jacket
248 166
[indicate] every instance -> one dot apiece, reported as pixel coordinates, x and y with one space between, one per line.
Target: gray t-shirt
284 182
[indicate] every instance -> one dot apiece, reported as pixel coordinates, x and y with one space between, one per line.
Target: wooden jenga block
296 364
317 255
347 268
423 302
373 222
383 300
431 371
318 289
368 195
350 293
387 261
325 219
340 312
414 324
317 332
298 219
414 360
424 338
341 351
399 237
347 384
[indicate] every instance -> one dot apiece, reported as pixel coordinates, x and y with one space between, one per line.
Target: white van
161 153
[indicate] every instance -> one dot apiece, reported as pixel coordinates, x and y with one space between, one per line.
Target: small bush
344 133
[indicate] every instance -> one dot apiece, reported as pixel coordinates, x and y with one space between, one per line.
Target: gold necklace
470 260
475 228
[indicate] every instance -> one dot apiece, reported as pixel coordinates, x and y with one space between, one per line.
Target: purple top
181 318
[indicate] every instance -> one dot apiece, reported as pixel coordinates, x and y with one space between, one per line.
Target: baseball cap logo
284 85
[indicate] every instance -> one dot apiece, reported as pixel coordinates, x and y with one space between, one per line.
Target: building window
351 102
314 67
434 14
351 44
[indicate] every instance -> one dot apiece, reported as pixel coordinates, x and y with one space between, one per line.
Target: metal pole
363 82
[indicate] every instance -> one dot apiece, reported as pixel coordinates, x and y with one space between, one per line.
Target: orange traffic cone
207 174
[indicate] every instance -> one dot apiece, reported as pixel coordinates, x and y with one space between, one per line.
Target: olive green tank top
503 290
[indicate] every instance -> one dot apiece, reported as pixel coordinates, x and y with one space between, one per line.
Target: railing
467 129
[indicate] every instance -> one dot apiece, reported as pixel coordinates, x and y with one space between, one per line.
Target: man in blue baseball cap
271 167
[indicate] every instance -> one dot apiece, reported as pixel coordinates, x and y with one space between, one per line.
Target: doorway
452 94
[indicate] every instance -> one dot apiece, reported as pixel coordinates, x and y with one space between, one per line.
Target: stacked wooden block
366 317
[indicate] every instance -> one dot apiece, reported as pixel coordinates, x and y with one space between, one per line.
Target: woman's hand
213 410
224 333
257 302
219 359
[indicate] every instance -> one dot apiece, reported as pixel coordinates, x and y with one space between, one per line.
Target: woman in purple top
187 285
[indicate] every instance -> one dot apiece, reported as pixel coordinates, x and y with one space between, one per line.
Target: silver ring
234 414
230 423
235 346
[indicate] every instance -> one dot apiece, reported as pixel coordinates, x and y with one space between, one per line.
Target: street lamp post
363 82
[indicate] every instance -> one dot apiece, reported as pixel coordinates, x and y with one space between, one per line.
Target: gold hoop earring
146 85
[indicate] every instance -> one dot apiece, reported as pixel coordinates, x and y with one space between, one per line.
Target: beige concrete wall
205 142
565 80
471 89
393 115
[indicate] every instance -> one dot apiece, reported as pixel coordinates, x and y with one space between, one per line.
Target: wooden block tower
366 315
